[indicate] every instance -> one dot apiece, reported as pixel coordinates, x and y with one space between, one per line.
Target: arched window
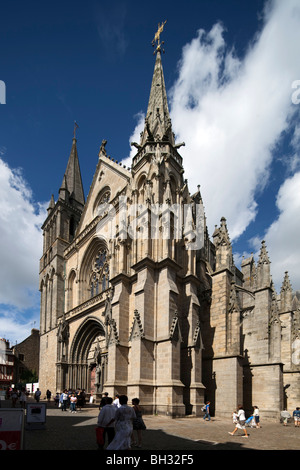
71 290
99 280
102 200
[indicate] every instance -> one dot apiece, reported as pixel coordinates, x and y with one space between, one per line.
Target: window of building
99 280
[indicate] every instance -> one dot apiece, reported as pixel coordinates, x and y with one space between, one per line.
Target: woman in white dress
241 422
123 426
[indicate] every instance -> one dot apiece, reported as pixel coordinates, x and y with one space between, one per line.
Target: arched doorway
88 357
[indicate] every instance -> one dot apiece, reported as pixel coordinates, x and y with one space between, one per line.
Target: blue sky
229 67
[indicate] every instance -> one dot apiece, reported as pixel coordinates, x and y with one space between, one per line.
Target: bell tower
58 231
159 356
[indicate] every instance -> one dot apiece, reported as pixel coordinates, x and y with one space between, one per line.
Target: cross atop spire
75 128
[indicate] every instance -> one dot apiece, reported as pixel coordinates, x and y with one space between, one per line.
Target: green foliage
29 376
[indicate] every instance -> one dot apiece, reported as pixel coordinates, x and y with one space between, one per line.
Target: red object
100 435
10 440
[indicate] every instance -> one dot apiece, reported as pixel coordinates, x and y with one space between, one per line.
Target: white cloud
20 250
232 112
135 137
15 326
282 237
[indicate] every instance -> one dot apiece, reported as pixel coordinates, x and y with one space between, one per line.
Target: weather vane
157 37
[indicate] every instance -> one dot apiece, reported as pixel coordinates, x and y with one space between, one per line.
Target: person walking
14 398
256 417
80 400
138 423
285 415
106 420
207 415
296 416
23 398
116 401
103 400
64 400
37 395
241 422
56 399
123 426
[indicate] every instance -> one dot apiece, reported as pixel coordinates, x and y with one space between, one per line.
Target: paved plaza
70 431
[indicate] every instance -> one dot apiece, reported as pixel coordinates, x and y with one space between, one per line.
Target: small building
26 357
6 366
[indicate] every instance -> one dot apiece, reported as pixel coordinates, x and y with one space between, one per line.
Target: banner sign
11 429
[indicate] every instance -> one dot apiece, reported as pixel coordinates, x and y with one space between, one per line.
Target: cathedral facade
137 299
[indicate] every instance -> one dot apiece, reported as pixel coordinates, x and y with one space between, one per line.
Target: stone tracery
99 279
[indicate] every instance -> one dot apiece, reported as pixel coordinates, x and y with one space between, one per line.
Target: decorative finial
157 37
75 127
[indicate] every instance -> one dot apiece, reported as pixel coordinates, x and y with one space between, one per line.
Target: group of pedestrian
238 418
16 395
22 395
285 416
119 422
72 399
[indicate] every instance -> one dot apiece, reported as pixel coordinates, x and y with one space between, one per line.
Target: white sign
36 413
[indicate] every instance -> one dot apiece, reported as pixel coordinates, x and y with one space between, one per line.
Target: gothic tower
58 231
155 305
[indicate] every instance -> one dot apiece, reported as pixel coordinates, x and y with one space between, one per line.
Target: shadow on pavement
77 432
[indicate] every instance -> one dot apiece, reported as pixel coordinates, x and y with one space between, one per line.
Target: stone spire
263 276
224 258
51 204
286 294
158 122
72 178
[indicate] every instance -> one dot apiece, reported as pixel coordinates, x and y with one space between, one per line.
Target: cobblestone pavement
70 431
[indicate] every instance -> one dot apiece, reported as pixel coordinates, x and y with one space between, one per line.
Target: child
256 417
